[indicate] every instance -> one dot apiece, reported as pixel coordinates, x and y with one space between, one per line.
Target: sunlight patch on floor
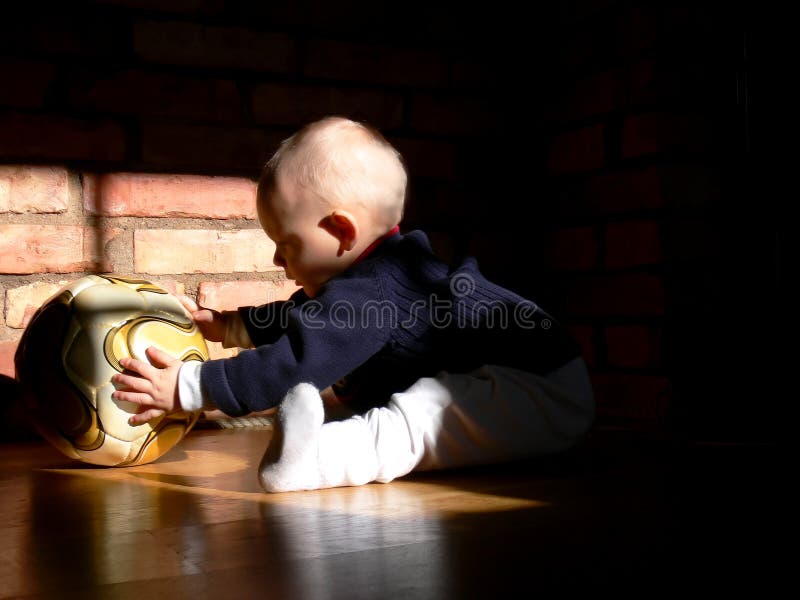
224 475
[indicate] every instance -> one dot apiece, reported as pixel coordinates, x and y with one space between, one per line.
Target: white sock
290 461
304 454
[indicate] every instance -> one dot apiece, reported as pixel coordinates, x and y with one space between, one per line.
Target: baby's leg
499 414
491 415
381 445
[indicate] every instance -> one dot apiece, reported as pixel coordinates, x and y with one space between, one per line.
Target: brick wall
582 158
195 235
651 241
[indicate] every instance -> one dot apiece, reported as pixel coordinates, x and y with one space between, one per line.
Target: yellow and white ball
72 348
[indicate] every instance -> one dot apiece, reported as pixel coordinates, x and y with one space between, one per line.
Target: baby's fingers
189 304
145 416
131 383
139 398
138 366
159 358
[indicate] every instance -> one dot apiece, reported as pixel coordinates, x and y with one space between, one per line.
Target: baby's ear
343 226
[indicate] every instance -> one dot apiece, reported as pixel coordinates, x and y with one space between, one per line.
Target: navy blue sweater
398 315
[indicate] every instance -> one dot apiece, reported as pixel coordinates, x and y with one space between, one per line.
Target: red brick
633 346
637 29
239 149
577 151
375 64
22 302
634 397
624 191
176 288
428 158
341 20
584 335
230 295
296 105
612 193
161 251
595 95
454 116
492 249
632 244
147 195
691 186
26 84
637 190
433 204
140 92
190 7
573 248
474 72
576 14
595 37
31 189
54 249
640 294
199 45
687 240
60 137
621 88
662 132
65 32
7 350
579 46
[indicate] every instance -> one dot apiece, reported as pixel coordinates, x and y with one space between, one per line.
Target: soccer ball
72 348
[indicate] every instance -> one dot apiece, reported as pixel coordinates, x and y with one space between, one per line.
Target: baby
438 367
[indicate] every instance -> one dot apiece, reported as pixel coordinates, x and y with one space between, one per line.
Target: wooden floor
195 524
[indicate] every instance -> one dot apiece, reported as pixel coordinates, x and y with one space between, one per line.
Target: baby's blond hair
344 163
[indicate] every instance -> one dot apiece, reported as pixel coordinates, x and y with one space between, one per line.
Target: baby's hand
211 323
153 387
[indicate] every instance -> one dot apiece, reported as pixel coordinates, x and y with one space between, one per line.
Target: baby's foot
290 461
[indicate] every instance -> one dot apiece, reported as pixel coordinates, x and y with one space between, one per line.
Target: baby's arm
219 326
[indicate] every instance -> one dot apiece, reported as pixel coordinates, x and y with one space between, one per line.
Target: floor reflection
197 519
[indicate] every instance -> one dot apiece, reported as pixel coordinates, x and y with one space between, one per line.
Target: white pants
491 415
496 414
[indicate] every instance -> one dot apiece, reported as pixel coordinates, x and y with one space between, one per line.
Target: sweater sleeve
323 340
266 323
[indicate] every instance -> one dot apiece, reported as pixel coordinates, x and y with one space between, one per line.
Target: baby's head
342 164
329 191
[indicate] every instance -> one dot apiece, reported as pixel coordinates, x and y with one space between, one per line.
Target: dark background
614 160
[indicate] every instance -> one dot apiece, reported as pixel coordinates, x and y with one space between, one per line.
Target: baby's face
293 220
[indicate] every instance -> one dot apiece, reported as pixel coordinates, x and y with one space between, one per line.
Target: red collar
368 250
